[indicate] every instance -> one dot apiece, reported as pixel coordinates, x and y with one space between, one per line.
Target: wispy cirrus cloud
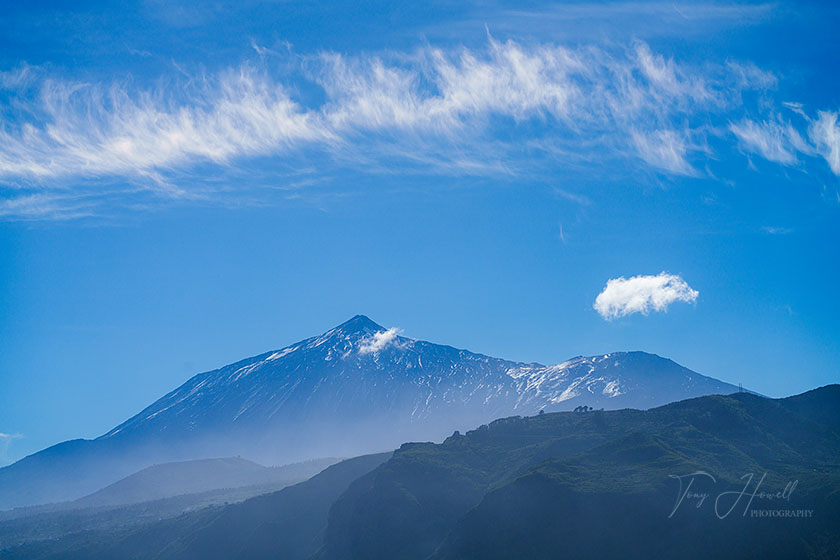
45 205
776 230
621 19
773 141
664 149
824 132
642 294
431 110
783 140
90 131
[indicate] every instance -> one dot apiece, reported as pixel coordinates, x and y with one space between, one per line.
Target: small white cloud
642 294
379 341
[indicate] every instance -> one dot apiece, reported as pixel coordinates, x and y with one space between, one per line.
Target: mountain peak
354 388
359 324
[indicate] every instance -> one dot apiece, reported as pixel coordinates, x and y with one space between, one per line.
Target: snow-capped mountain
356 388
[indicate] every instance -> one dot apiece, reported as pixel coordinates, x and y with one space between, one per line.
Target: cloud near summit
379 341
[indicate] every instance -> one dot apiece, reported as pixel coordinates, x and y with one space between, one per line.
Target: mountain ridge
355 388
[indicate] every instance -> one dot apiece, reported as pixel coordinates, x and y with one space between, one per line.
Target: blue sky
186 184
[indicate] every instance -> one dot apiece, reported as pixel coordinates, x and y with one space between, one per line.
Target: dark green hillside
597 485
614 501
